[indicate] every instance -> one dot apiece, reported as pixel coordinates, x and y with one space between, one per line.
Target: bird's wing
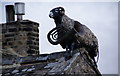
86 36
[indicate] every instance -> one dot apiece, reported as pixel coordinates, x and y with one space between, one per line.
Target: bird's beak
51 15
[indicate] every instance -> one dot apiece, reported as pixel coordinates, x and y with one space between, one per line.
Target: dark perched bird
76 35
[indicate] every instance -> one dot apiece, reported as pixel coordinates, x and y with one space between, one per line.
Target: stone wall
20 38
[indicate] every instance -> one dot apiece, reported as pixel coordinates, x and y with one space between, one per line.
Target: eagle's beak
51 15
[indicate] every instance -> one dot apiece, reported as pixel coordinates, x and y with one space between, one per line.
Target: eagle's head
57 12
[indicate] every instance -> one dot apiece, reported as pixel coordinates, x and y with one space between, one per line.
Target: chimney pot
19 10
10 13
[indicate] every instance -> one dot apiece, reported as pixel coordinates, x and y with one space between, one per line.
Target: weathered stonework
20 38
20 54
51 64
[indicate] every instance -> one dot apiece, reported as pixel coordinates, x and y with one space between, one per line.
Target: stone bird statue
71 34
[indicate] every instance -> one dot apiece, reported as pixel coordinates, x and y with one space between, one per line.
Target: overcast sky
101 18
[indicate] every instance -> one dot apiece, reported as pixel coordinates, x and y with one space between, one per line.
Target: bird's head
57 12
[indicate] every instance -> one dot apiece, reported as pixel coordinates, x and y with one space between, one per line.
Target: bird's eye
60 9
